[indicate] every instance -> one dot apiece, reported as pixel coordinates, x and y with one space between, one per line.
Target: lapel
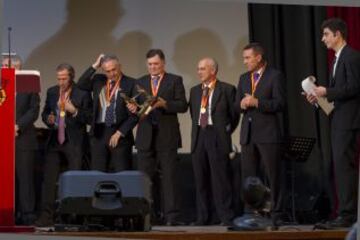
124 87
56 97
215 96
163 84
338 64
147 84
262 82
197 101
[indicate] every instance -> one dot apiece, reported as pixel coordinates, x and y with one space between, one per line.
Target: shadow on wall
190 48
87 33
198 43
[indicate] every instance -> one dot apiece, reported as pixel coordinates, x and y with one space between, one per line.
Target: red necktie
204 115
61 129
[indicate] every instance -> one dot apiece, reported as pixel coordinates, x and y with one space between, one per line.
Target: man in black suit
158 135
112 124
213 121
344 91
260 97
27 112
66 112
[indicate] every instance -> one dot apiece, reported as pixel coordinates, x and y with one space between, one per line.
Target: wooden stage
210 233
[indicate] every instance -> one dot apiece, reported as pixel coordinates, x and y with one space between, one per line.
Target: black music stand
297 149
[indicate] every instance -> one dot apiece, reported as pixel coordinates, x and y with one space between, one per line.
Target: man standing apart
344 91
26 144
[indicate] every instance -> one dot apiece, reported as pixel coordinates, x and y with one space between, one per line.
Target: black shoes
174 223
339 222
45 220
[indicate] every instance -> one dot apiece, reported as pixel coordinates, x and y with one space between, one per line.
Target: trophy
146 107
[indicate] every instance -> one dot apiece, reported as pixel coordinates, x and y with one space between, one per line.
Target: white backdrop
46 33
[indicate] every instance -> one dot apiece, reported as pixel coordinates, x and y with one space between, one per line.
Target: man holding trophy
158 134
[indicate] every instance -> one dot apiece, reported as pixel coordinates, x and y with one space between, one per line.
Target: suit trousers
212 170
107 159
54 156
25 189
263 159
345 156
161 164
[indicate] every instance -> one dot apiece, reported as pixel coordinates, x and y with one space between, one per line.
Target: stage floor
208 233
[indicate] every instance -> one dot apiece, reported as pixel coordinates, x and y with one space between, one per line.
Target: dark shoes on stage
26 219
45 220
339 222
174 223
204 223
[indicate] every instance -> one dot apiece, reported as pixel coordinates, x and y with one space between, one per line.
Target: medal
62 113
203 110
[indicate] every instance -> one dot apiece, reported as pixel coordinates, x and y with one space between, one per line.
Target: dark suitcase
93 200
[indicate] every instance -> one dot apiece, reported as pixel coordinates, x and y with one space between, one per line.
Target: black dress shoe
198 223
226 223
44 221
342 222
174 223
339 222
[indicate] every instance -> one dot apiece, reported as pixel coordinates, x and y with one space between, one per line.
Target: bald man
213 121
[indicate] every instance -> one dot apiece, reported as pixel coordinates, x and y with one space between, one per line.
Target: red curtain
351 15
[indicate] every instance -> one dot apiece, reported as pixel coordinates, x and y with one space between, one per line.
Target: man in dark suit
158 135
213 121
112 124
66 112
344 91
260 97
27 112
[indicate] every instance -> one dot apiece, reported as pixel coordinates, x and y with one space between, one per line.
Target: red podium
7 154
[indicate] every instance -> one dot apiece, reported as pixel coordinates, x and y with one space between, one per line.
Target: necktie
61 129
204 114
110 113
155 81
256 77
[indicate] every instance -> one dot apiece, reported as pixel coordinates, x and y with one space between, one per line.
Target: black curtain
291 36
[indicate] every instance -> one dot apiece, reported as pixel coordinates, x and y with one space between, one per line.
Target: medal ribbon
64 95
155 89
205 98
109 95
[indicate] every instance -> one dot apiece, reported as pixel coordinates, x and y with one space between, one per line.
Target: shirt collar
337 54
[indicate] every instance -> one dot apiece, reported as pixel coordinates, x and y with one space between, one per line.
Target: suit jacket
344 90
172 90
125 120
263 124
27 112
223 115
75 131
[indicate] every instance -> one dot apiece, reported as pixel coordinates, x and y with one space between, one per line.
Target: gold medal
203 110
62 113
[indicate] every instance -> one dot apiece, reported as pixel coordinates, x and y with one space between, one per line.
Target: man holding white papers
344 91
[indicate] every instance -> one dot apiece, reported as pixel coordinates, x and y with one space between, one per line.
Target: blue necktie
155 81
256 77
110 110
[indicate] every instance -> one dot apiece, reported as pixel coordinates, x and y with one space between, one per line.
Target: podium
7 151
